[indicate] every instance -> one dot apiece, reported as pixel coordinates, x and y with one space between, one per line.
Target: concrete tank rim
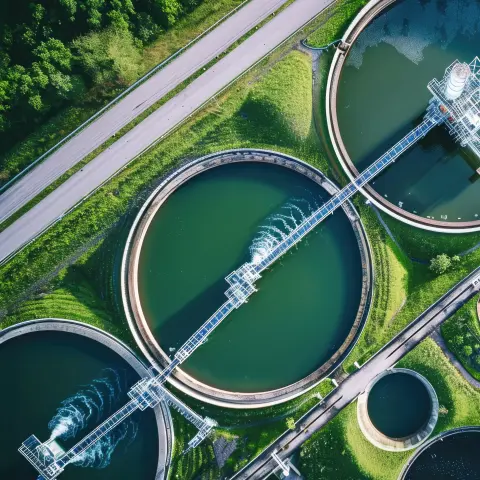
359 23
50 324
384 442
433 440
139 326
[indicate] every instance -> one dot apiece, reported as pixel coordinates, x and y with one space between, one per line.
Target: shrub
109 56
440 264
467 350
290 423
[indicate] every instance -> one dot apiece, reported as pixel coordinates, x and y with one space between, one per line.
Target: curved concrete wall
365 16
136 318
380 440
162 413
441 436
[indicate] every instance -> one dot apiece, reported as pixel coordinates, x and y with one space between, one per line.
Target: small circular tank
457 80
398 410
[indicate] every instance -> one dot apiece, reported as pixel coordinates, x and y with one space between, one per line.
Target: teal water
399 405
383 94
40 370
305 306
451 458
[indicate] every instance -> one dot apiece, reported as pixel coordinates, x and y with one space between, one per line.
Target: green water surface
40 370
306 303
383 94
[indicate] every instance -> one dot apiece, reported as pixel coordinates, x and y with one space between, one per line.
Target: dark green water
38 371
452 458
305 305
399 405
383 94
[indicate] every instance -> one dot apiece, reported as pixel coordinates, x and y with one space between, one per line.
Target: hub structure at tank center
455 103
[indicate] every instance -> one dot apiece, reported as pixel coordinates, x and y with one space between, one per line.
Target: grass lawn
424 245
341 451
49 133
341 15
403 289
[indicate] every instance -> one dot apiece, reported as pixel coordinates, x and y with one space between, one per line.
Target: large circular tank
398 410
452 455
48 367
436 183
202 223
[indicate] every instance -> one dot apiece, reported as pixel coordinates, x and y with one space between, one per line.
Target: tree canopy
51 50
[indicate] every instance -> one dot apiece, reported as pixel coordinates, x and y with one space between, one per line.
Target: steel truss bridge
49 459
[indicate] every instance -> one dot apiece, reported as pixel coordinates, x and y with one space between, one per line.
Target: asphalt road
356 383
145 95
153 127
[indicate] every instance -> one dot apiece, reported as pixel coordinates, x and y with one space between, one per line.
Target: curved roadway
154 127
356 383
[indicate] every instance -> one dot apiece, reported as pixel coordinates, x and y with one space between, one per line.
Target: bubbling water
280 226
88 407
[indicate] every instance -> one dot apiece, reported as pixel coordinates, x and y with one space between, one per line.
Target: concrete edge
433 440
364 17
138 324
162 412
382 441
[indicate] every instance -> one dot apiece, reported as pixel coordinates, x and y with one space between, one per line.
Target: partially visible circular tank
457 81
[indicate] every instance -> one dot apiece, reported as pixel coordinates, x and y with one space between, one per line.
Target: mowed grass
58 126
79 292
424 245
273 112
341 15
391 274
283 100
341 451
404 289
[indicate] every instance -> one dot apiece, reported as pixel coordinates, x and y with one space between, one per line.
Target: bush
458 340
109 56
467 350
440 264
290 422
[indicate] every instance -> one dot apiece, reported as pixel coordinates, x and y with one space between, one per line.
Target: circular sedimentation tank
398 410
452 455
377 92
198 226
46 362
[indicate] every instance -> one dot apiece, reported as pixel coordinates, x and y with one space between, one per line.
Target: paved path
438 339
151 129
356 383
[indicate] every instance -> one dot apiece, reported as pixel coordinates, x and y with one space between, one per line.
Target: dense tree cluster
51 51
